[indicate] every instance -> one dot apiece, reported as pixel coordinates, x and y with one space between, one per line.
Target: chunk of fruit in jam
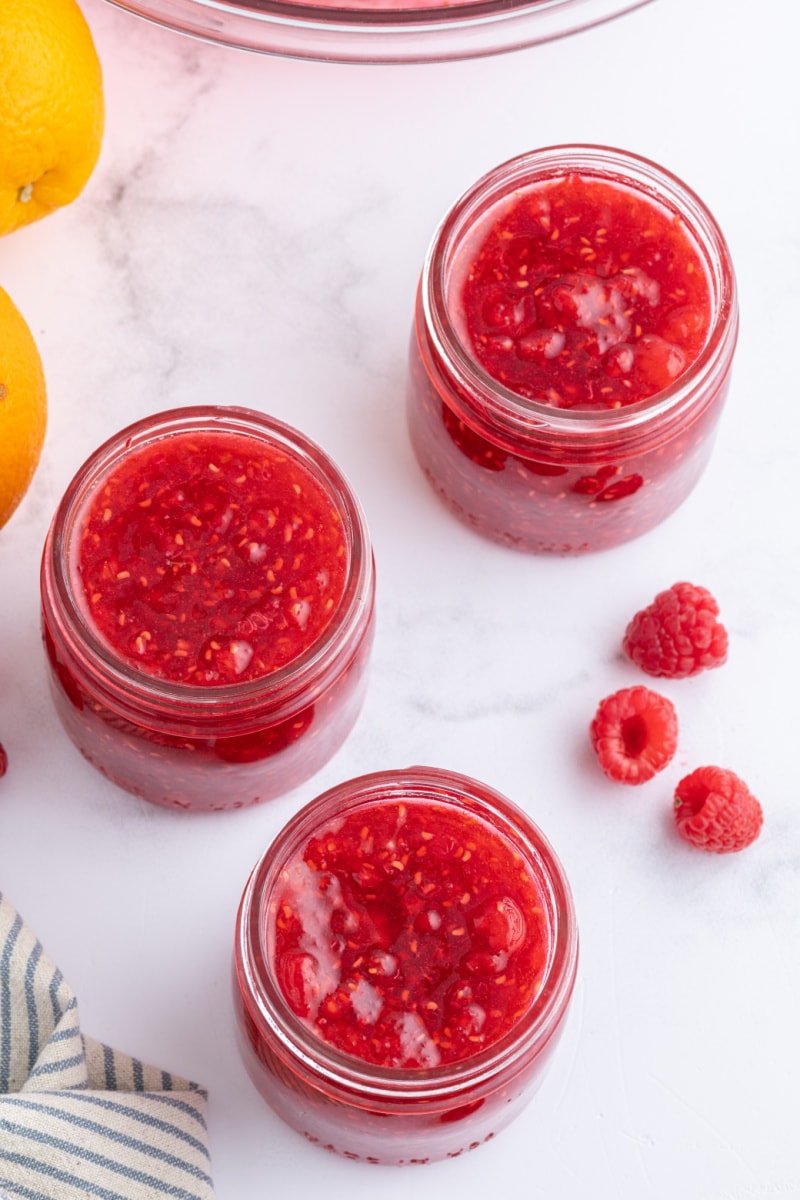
585 293
410 934
211 558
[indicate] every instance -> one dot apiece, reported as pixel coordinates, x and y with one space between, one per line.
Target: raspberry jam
405 955
207 591
586 295
575 328
210 559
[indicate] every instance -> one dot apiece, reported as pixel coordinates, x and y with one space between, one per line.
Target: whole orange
23 406
51 108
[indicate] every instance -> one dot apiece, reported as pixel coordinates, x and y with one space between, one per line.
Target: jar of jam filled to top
405 955
575 327
208 608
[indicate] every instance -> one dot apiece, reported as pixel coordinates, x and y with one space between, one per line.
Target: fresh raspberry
634 734
678 634
3 761
715 810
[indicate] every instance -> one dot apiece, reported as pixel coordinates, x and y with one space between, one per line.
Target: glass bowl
379 31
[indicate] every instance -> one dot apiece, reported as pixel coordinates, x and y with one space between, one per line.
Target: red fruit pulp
211 559
409 935
585 294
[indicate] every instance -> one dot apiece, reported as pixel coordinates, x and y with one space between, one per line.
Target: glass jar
227 742
333 860
528 473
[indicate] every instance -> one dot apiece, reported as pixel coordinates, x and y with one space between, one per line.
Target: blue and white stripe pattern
78 1119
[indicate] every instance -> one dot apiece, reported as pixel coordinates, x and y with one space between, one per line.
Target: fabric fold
79 1119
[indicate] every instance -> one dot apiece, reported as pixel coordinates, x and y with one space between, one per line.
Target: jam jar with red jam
575 326
405 955
208 606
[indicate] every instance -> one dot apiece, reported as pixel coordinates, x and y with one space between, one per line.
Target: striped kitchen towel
78 1119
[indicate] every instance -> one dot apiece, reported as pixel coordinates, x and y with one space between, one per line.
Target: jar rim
272 1014
125 682
515 415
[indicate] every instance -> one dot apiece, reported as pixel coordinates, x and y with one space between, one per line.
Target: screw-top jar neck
517 423
289 1036
174 706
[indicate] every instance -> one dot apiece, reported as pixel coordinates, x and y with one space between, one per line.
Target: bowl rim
463 29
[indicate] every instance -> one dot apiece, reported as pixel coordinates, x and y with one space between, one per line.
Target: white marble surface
253 234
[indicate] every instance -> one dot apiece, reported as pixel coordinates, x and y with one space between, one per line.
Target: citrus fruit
23 406
51 108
